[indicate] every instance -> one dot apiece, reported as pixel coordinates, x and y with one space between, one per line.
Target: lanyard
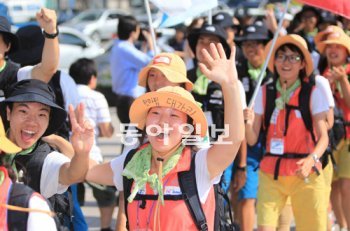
150 212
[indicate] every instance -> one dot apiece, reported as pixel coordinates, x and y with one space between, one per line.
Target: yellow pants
342 156
308 201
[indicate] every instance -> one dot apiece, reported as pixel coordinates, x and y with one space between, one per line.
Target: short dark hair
82 70
294 48
126 25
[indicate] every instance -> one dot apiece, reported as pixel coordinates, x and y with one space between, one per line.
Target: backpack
31 164
188 185
55 84
19 196
303 107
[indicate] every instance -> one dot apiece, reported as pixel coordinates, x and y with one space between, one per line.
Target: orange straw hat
171 65
172 97
332 35
297 41
6 145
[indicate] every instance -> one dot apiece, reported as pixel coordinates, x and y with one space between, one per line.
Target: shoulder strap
56 86
304 105
127 183
270 96
188 185
19 196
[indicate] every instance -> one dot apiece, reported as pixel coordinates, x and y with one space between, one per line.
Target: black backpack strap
19 196
270 104
188 185
56 86
304 105
127 183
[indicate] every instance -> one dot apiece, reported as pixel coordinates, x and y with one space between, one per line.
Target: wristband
241 168
51 36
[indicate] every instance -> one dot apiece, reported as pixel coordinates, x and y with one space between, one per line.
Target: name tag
277 146
172 190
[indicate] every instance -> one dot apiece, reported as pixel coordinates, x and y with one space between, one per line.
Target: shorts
343 160
104 195
328 176
307 199
250 189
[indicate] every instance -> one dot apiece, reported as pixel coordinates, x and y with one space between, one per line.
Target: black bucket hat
33 90
206 29
31 42
5 29
258 32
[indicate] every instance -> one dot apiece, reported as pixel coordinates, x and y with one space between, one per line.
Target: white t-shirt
49 181
39 221
97 111
323 84
204 183
67 83
317 104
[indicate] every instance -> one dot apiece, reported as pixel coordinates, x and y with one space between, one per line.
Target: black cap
256 31
206 29
5 28
223 19
33 90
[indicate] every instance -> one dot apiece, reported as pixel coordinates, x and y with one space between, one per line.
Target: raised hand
47 20
82 131
219 69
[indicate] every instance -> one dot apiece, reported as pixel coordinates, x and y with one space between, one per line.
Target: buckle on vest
204 226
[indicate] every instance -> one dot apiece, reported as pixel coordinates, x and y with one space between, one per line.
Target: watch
241 168
51 36
315 158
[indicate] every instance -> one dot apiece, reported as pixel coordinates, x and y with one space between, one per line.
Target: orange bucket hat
332 35
5 144
297 41
171 65
171 97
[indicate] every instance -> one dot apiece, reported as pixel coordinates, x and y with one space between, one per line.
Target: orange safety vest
297 140
174 214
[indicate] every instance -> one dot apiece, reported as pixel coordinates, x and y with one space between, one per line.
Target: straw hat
296 40
332 35
5 144
171 65
172 97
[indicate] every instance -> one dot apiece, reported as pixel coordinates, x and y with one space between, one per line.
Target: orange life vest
174 214
288 128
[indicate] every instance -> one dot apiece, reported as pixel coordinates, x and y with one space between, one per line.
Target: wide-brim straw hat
332 35
296 40
170 97
171 65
